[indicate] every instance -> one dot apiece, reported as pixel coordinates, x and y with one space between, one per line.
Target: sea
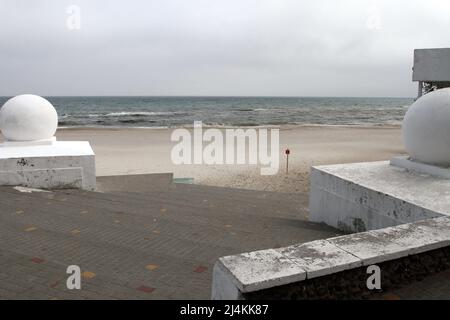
162 112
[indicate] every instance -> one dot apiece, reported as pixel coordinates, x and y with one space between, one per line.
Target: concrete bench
235 277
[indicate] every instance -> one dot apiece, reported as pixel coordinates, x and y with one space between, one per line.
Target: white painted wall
63 164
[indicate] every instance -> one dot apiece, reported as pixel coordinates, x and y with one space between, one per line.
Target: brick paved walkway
159 245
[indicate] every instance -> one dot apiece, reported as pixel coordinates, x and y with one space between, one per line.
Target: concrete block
439 227
415 238
259 270
254 271
320 258
60 164
223 288
349 216
367 196
61 178
369 247
396 242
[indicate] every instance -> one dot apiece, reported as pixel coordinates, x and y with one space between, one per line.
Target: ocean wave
270 109
130 114
138 113
244 109
135 121
67 123
133 112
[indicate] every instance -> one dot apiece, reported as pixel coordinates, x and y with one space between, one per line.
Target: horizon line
209 96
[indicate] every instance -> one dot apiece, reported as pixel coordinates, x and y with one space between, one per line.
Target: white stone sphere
426 128
28 117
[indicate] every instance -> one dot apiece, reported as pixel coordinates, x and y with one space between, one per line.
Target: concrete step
294 205
137 183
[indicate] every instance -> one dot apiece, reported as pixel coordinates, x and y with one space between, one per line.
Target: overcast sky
217 47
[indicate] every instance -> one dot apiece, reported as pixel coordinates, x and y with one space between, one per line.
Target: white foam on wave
130 113
137 113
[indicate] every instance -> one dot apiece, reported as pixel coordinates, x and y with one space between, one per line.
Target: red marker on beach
287 152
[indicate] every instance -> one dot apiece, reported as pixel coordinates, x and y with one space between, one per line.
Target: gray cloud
216 47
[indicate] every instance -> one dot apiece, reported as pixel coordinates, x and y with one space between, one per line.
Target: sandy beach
133 151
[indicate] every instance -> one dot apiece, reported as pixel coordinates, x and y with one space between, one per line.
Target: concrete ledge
259 270
319 258
367 196
42 142
55 149
352 284
62 164
235 276
396 242
408 164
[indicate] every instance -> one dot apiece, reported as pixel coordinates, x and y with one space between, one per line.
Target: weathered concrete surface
408 272
61 178
396 242
258 271
369 247
405 162
223 287
62 164
418 237
319 258
366 196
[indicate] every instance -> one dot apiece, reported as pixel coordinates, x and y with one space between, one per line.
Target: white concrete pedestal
55 165
366 196
415 166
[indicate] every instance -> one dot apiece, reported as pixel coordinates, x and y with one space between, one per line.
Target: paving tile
146 289
200 269
166 255
151 267
37 260
88 275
